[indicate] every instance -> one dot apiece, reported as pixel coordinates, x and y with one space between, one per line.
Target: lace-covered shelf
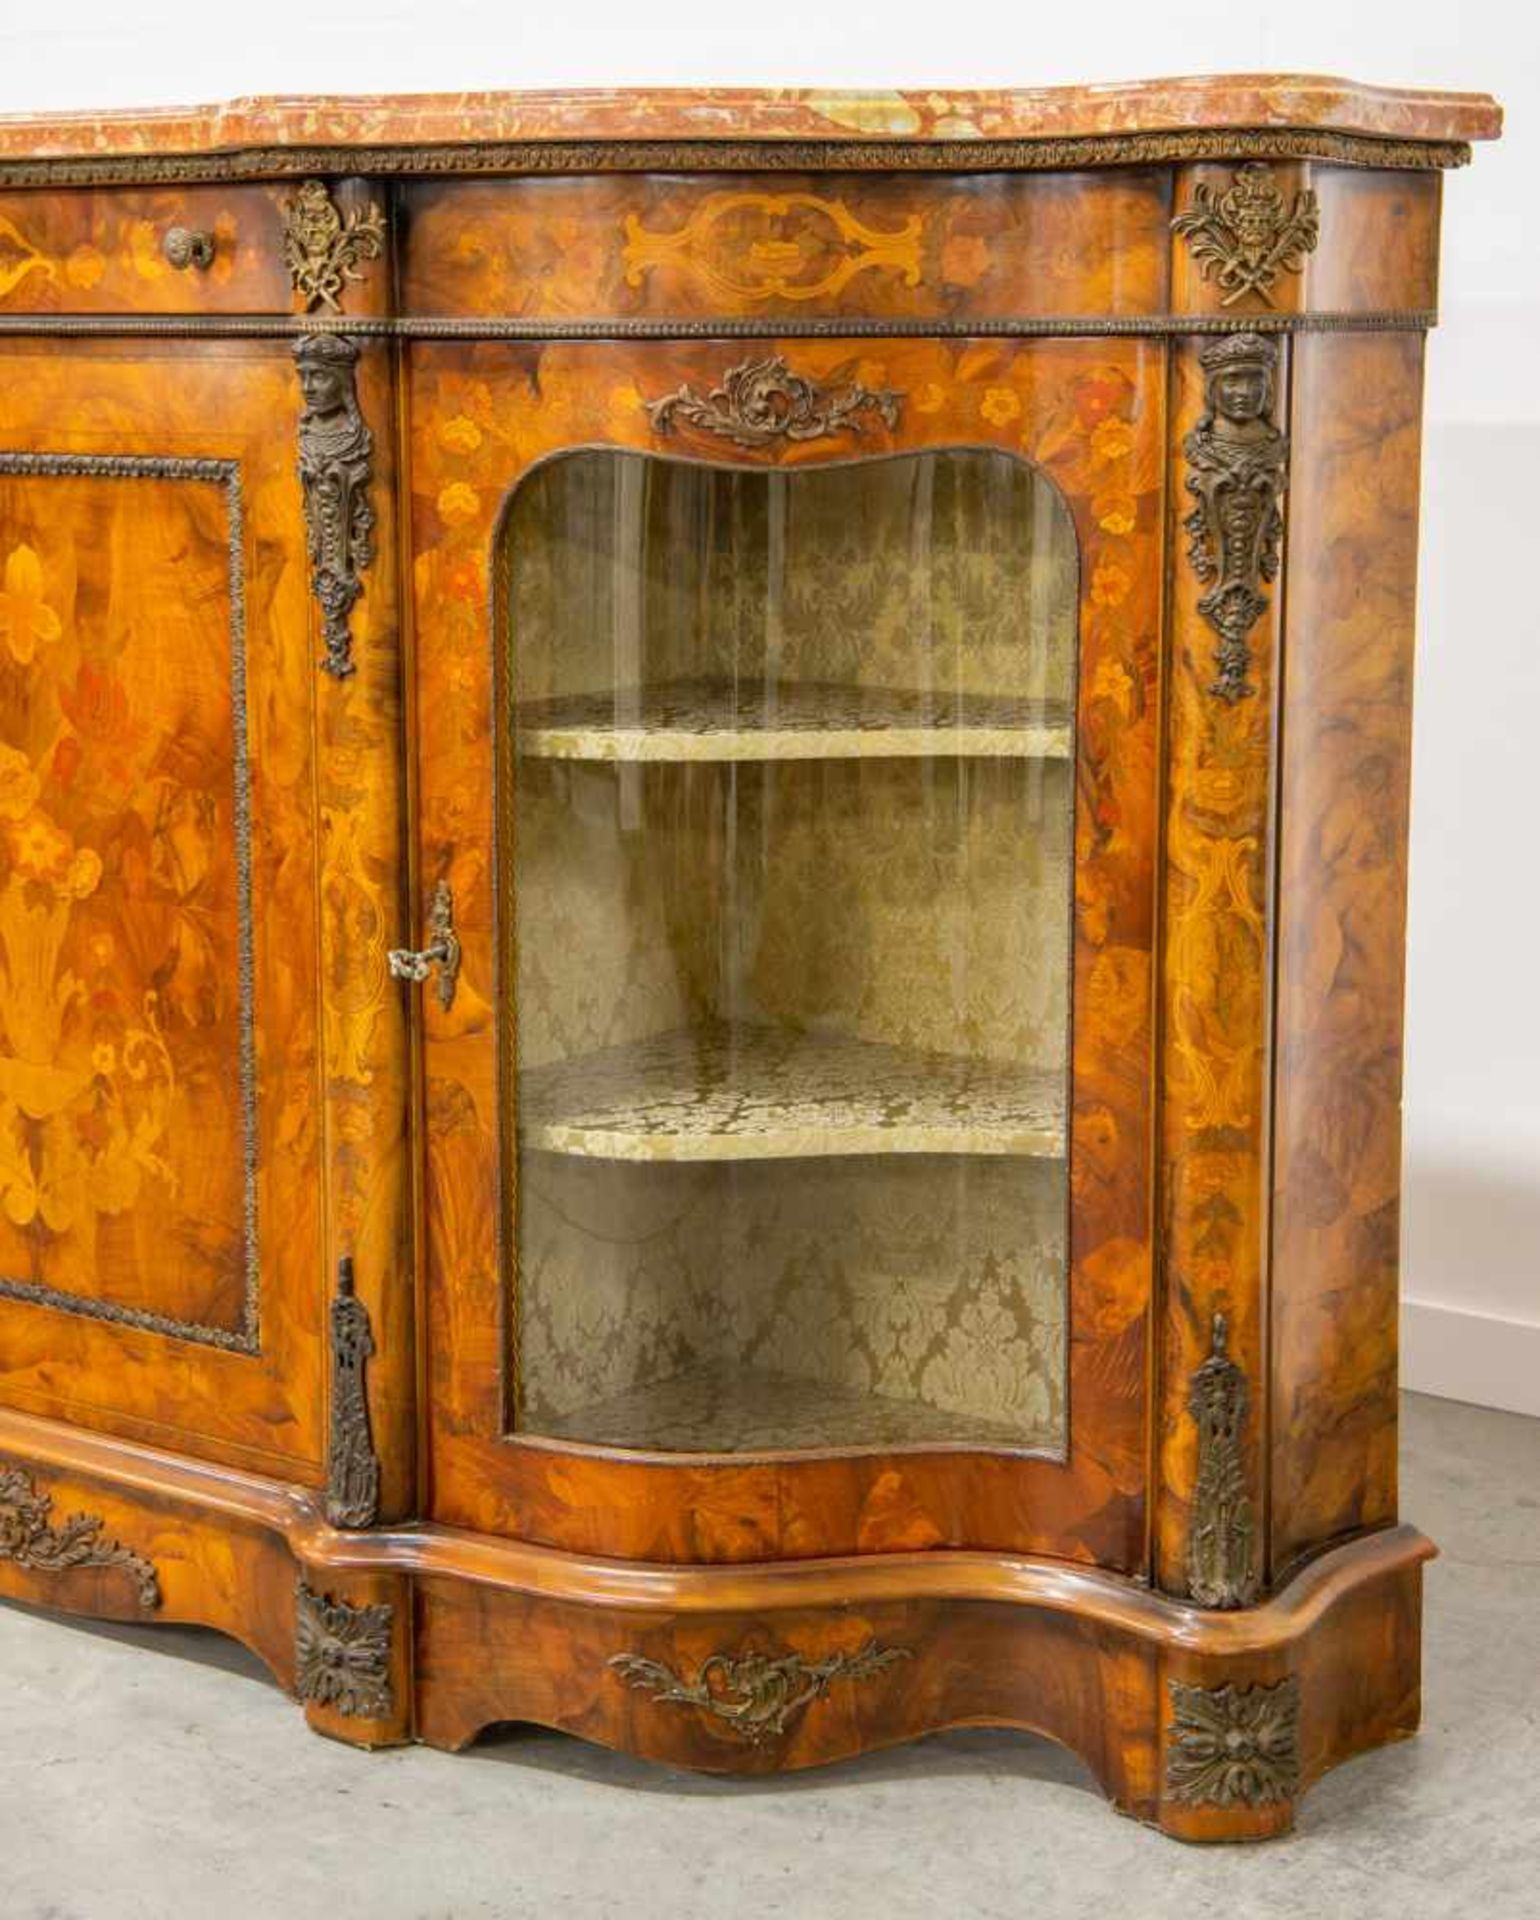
718 720
728 1410
763 1093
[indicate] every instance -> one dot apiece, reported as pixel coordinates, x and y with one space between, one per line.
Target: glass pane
790 815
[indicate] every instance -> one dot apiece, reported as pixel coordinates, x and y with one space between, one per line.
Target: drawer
881 247
106 251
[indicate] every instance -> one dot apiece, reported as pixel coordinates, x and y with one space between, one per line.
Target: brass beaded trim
760 327
741 156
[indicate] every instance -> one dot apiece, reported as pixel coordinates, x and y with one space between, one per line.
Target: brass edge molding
352 1465
225 474
336 467
754 1695
1221 1541
31 1539
1245 238
761 402
323 251
342 1655
741 156
783 327
1229 1746
1238 464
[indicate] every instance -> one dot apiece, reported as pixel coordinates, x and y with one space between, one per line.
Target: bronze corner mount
1238 463
1221 1541
324 251
1244 238
352 1465
1233 1746
342 1655
336 467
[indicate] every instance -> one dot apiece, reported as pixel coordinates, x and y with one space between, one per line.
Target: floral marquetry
26 620
108 805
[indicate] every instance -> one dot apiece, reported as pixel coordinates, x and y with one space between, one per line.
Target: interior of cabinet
788 825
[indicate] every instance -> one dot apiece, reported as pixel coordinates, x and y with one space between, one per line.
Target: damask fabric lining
792 1135
922 1297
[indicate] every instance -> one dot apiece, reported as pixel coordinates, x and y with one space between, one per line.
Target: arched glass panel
788 809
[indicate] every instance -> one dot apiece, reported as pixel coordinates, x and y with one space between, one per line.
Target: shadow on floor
201 1646
983 1752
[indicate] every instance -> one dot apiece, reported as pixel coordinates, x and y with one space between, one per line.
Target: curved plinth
1210 1725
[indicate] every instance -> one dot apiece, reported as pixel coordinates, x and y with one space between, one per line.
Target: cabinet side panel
1350 589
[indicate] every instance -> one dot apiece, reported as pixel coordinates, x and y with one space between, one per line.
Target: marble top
1308 102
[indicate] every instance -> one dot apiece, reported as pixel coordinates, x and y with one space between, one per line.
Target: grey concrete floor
157 1773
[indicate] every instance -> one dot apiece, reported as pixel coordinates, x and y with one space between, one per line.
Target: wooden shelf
769 1093
724 1410
717 720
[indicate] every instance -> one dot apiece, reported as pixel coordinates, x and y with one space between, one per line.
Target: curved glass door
788 831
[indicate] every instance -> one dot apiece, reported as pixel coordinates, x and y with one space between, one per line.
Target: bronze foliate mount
352 1465
342 1655
322 250
761 402
1233 1746
336 467
30 1538
1221 1541
1237 470
1245 237
754 1695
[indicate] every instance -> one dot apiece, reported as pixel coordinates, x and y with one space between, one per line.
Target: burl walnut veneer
702 862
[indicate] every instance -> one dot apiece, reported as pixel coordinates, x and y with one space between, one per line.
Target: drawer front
119 251
789 246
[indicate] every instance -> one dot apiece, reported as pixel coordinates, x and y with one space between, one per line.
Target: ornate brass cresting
762 401
1233 1745
352 1466
30 1538
754 1695
1245 237
322 250
441 953
342 1655
1238 465
336 466
1221 1546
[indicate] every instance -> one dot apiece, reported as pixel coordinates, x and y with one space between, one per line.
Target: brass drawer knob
188 247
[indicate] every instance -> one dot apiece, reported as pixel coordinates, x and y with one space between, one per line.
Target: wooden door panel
159 1248
1091 415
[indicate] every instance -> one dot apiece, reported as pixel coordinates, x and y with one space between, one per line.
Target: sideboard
703 812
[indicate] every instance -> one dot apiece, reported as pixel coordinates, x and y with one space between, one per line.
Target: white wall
1472 1269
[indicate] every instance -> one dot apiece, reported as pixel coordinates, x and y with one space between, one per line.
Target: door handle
442 953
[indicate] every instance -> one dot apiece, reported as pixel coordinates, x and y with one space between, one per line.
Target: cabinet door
160 1258
787 753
